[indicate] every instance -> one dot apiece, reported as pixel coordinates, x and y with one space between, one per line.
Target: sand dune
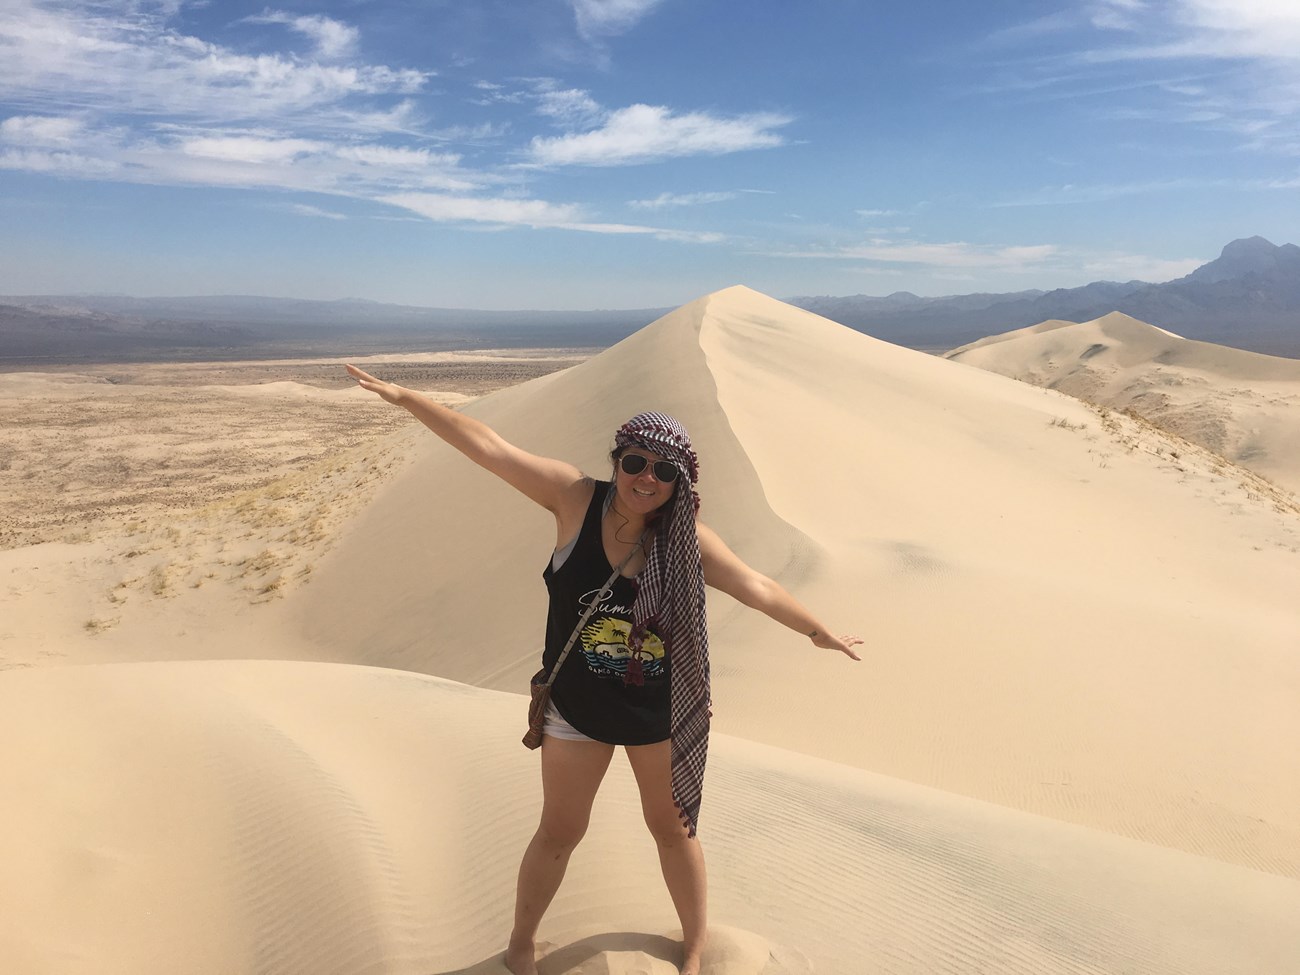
1049 599
1241 405
1067 750
316 819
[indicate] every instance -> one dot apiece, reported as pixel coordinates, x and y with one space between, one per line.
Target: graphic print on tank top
605 648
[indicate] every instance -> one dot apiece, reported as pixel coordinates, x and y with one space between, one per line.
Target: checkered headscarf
670 597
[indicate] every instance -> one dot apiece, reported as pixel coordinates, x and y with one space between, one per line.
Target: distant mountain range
1248 298
113 327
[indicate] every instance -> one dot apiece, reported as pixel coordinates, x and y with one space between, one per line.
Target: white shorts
555 726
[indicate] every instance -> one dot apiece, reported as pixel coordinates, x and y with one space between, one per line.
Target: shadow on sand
664 953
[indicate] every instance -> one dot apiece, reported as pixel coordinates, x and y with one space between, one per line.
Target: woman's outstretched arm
553 484
724 570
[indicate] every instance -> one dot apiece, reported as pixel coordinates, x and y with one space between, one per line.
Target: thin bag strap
591 608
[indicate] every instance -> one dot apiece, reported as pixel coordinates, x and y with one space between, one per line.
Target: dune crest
953 517
1242 405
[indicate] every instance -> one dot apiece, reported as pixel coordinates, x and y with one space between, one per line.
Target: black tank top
603 690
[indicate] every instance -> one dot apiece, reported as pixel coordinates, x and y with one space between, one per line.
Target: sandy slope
1068 750
1061 616
1241 405
317 819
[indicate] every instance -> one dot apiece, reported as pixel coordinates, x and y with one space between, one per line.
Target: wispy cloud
332 38
673 200
186 155
1117 266
950 255
531 213
644 133
1071 193
443 208
961 259
117 90
570 107
306 210
118 56
606 18
40 130
1205 28
1223 65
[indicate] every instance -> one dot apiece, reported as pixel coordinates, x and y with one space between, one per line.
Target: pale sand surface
1068 749
1241 405
302 817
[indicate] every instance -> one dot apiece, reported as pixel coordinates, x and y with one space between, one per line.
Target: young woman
614 687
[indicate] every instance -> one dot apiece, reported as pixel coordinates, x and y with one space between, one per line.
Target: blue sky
633 153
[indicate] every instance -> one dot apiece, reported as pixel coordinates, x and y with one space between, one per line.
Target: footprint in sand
731 951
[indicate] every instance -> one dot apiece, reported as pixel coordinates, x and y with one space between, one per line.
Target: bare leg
680 857
571 773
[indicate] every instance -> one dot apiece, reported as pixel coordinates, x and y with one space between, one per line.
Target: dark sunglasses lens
634 464
665 471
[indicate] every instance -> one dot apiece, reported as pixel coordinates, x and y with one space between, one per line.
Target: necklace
639 535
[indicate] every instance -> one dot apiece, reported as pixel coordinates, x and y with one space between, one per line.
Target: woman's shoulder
572 510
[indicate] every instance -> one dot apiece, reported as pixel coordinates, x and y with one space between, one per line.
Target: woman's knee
666 825
562 831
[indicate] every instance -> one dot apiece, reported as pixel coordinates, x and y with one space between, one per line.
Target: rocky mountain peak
1249 255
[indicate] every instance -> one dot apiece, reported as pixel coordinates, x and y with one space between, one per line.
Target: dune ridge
873 481
1242 405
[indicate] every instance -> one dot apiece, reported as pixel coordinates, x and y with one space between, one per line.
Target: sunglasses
634 464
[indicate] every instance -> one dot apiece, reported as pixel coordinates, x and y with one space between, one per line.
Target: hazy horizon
592 154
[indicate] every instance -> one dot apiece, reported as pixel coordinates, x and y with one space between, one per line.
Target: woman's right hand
389 392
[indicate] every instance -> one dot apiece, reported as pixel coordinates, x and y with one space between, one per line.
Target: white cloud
333 38
944 256
1136 267
876 213
571 107
40 130
125 58
1115 14
604 18
1244 28
396 157
953 255
57 163
531 213
665 200
120 90
641 133
1241 57
305 210
1071 193
528 213
965 261
250 149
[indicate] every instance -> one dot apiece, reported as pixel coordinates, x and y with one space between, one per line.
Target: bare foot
520 958
691 964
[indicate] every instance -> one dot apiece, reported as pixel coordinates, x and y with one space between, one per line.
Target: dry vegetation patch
85 450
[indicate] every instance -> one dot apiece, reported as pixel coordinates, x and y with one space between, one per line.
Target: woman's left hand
844 644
